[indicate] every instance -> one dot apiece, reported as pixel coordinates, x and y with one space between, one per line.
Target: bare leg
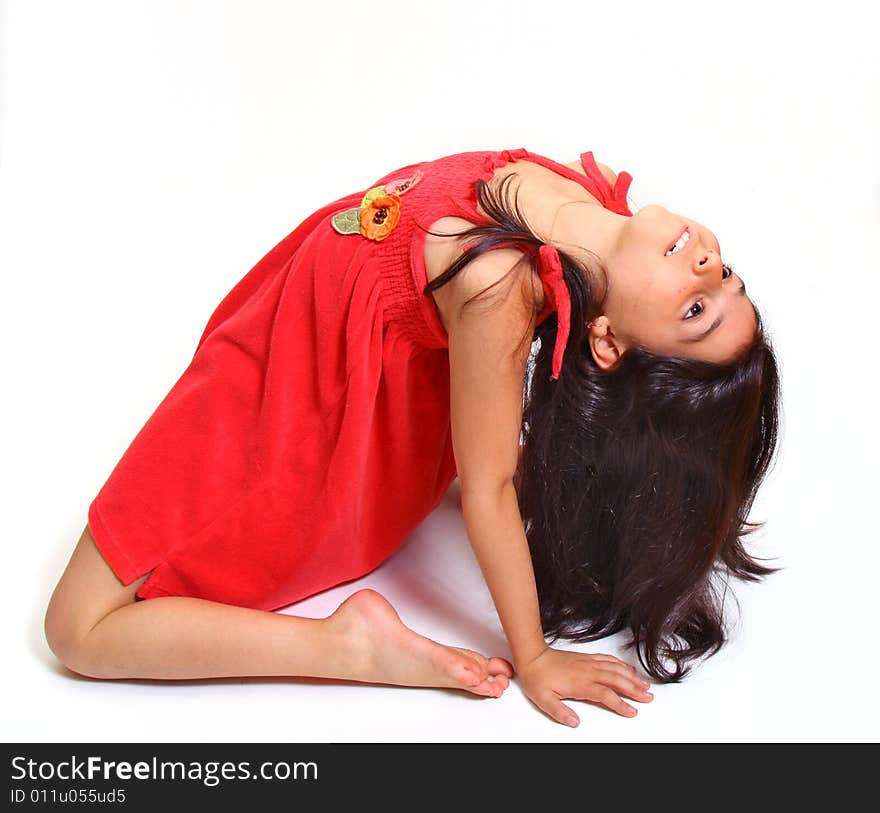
96 628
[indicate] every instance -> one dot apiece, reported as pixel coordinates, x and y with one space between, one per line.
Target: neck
586 230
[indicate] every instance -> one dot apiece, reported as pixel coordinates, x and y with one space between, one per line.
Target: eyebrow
741 291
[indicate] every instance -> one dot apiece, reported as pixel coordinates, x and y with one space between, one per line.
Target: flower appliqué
379 210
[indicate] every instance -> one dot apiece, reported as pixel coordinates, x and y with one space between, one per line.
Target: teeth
679 244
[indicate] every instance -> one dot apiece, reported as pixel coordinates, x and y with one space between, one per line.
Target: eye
690 314
726 273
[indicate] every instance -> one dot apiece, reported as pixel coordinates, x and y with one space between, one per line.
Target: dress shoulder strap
613 196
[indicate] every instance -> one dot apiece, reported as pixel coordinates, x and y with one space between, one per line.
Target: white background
152 152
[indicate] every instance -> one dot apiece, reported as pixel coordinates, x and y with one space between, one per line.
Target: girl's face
688 303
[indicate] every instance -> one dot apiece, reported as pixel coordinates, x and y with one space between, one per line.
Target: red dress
310 434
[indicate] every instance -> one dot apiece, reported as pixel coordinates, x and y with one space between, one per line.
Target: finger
552 705
500 666
611 659
623 684
605 696
625 672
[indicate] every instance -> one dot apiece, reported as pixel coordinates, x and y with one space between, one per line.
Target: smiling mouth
680 243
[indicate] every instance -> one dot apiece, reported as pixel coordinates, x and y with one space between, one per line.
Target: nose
707 261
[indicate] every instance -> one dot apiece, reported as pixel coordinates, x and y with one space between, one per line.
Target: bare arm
495 528
487 367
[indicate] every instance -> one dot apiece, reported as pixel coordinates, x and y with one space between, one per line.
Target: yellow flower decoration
379 211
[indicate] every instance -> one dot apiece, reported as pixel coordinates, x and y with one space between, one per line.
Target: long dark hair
634 484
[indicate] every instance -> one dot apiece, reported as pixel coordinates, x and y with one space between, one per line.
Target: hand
603 679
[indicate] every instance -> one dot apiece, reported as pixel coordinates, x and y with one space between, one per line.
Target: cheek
667 298
633 307
651 300
642 285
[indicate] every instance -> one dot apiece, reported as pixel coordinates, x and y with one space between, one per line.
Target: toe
468 671
475 662
481 659
500 666
487 688
491 666
501 681
468 675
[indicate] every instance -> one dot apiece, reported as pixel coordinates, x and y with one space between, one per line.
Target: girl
382 349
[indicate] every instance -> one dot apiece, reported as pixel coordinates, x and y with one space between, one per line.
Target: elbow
487 491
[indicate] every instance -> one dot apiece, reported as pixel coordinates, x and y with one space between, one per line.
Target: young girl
382 349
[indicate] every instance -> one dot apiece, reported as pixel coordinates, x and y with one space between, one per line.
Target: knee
66 640
87 592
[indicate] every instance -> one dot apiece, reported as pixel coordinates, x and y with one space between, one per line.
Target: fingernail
572 721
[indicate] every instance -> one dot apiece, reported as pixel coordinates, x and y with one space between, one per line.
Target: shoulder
499 278
489 347
609 173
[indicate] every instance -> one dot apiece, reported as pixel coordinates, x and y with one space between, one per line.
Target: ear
606 348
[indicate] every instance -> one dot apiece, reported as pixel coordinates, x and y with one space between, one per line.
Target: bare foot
384 650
